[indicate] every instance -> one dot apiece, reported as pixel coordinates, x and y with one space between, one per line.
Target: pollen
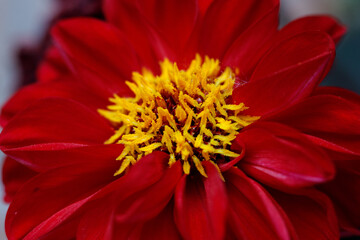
185 113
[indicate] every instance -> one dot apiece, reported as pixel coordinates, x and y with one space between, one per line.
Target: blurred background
23 24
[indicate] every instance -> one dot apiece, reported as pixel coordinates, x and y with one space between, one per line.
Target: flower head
185 119
181 112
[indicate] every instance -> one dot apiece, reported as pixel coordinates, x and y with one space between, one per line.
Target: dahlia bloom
186 120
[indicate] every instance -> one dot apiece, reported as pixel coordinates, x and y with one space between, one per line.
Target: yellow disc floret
182 112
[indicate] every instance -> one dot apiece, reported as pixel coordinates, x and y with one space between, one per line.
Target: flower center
182 112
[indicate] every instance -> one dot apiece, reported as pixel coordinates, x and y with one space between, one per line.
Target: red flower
243 147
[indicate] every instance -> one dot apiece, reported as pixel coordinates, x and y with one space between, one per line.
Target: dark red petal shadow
14 175
311 214
52 67
339 92
174 19
161 227
344 193
253 213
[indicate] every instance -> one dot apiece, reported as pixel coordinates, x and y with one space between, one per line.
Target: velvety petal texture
289 168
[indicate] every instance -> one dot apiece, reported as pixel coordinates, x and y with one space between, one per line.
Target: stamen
182 112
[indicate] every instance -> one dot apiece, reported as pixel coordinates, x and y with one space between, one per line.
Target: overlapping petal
344 185
52 67
65 190
237 16
144 205
253 213
311 213
60 191
55 120
245 52
14 175
98 52
66 87
332 121
314 23
287 74
281 157
54 134
165 15
200 205
145 40
296 51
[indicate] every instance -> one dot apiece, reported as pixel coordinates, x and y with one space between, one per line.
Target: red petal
339 92
64 88
55 120
56 195
14 175
66 230
281 157
55 220
43 157
147 204
52 66
97 49
145 40
253 213
204 5
313 23
327 117
146 172
161 227
288 73
344 193
311 214
98 220
165 16
200 205
61 192
226 20
248 48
